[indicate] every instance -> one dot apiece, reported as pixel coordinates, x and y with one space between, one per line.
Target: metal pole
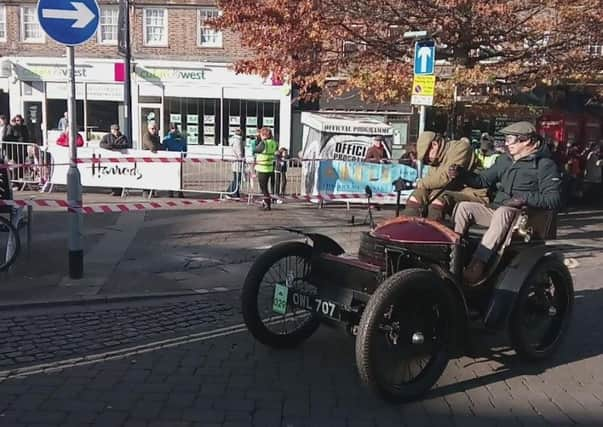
422 112
74 186
128 81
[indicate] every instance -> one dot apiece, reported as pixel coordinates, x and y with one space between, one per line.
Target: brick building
181 73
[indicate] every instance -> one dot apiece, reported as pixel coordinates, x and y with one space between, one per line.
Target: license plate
315 304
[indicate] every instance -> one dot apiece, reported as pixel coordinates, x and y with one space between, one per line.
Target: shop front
38 90
207 103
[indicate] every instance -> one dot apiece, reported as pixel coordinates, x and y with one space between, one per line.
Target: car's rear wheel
405 335
267 310
542 311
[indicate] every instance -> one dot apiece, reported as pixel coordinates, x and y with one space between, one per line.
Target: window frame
201 26
99 31
145 40
24 39
4 25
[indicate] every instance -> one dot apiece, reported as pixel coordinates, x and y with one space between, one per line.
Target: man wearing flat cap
439 154
526 176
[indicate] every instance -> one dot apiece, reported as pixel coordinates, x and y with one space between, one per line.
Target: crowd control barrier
29 163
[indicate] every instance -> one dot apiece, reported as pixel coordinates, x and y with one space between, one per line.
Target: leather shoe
474 272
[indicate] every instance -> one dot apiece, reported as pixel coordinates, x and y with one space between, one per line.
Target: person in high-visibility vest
265 151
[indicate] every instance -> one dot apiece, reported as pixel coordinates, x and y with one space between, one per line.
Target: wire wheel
405 334
266 300
542 311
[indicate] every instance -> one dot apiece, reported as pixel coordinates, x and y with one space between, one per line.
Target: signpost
71 23
423 87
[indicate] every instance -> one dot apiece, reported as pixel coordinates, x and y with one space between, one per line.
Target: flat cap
519 128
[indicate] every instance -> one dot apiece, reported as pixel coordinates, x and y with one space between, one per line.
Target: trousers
499 221
263 180
448 200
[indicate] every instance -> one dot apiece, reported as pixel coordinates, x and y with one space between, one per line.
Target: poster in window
209 140
268 121
175 118
232 129
208 130
209 120
192 119
235 120
192 130
251 131
192 139
252 121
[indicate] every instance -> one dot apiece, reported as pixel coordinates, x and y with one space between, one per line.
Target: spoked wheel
10 243
405 334
542 311
266 299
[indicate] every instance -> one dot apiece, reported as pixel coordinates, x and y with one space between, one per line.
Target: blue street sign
424 57
68 22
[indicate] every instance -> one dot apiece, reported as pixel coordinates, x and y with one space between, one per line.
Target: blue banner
337 177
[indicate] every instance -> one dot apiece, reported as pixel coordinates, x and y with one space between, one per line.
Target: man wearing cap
114 140
439 154
526 175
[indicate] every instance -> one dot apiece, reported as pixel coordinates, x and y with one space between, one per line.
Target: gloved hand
454 171
515 202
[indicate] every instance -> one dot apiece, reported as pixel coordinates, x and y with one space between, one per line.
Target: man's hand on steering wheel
515 202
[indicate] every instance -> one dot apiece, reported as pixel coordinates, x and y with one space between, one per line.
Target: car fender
510 283
321 243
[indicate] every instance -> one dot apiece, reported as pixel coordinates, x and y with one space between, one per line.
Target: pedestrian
282 160
151 142
486 155
174 141
376 152
592 172
265 150
5 128
63 122
237 146
115 140
150 139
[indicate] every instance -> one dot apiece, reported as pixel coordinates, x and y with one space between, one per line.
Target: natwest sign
89 72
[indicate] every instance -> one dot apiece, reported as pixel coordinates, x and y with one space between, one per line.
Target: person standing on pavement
150 139
151 142
115 140
265 150
237 145
527 177
4 128
376 152
174 141
63 122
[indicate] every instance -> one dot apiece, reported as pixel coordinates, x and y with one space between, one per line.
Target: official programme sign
68 22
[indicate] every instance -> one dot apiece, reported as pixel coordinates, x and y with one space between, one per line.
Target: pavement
153 336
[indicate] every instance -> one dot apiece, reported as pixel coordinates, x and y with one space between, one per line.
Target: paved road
188 362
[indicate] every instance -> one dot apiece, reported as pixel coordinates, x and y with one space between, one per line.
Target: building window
107 30
30 28
2 23
155 27
595 49
208 37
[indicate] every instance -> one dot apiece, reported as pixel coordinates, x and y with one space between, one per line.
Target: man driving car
526 176
439 154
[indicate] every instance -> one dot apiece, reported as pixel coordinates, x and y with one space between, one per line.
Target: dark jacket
151 142
534 178
18 133
174 141
112 142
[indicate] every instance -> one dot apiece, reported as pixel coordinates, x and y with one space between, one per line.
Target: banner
336 177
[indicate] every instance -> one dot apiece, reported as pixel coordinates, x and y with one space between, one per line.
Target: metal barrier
31 163
282 184
215 177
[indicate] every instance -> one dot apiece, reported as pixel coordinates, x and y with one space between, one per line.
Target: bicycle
10 242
